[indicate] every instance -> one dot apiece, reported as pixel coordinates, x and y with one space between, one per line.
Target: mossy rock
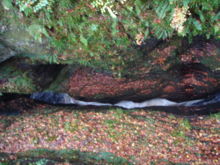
45 156
15 80
17 75
60 84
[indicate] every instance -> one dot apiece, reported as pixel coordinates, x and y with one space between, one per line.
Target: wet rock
215 99
52 98
62 99
14 78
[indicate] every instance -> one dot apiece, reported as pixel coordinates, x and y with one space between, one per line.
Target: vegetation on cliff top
91 32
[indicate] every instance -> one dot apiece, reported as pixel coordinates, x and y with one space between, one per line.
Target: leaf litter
140 136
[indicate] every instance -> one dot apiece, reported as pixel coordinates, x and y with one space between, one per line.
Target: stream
63 98
203 106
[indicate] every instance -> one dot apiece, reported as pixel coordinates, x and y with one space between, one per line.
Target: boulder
52 98
181 82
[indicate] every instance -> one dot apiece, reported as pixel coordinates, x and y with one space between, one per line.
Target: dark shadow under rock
43 74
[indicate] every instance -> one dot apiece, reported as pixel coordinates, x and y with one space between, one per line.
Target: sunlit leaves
36 31
7 4
53 59
162 9
197 25
84 40
94 27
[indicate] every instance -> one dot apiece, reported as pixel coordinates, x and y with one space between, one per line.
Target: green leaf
137 10
94 27
138 5
7 4
130 8
91 54
84 40
216 17
162 9
172 1
201 16
146 33
28 11
208 36
114 28
36 31
186 2
53 59
60 22
197 25
216 29
147 24
206 6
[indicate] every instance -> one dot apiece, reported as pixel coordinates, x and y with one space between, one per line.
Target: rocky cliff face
191 76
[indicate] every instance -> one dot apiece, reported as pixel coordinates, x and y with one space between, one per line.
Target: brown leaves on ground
140 136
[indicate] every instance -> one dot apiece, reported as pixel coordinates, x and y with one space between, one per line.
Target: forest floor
139 136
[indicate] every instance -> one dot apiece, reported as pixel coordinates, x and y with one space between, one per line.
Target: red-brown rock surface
181 82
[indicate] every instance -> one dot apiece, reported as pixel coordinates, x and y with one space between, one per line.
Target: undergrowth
91 32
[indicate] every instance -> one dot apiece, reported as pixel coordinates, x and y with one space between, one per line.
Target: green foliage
44 156
29 6
119 113
40 162
36 31
185 124
7 4
111 131
105 33
17 80
183 127
53 59
216 116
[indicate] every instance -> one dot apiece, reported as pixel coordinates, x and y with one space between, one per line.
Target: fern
162 9
34 5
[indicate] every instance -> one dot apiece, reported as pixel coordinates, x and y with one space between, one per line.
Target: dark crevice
45 74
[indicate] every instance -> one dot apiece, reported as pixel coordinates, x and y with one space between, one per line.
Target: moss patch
15 80
45 156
